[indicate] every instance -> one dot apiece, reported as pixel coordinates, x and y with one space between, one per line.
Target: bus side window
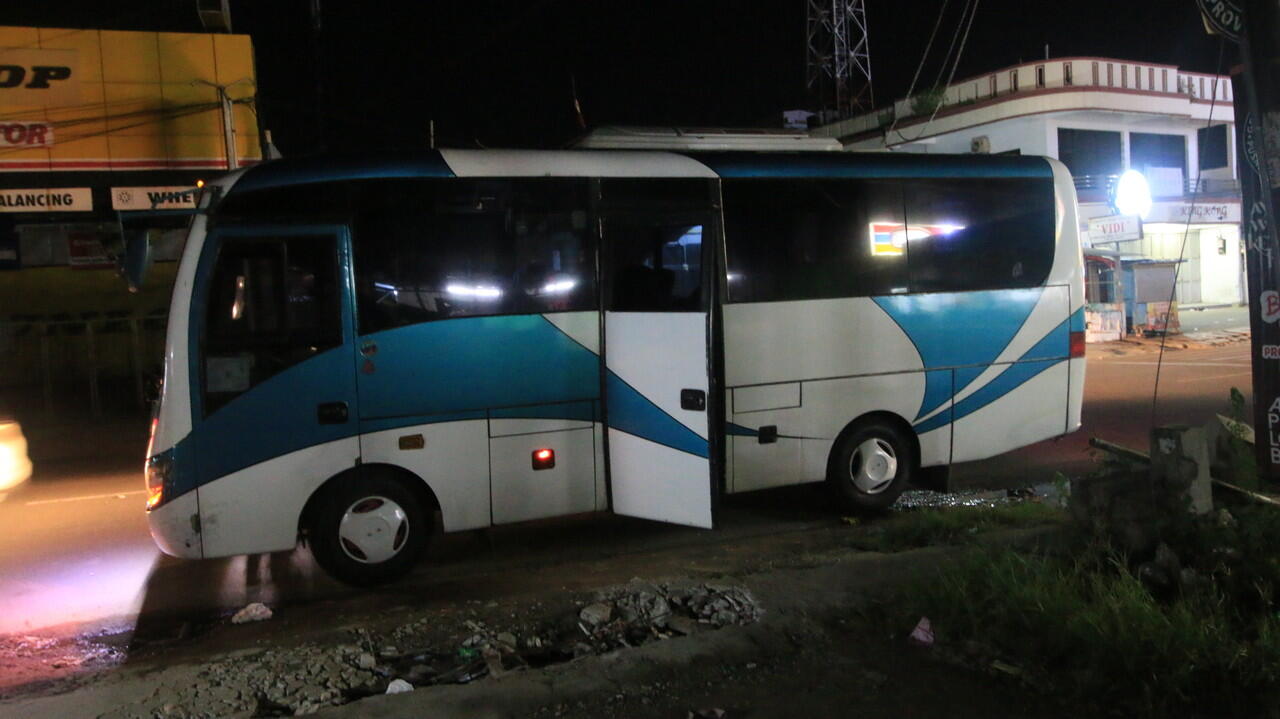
272 304
979 234
429 250
814 239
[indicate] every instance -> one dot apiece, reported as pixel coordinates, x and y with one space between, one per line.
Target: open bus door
662 400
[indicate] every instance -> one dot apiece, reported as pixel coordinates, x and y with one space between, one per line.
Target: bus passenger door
274 384
660 408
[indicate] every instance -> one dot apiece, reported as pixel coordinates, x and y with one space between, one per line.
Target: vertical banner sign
1255 25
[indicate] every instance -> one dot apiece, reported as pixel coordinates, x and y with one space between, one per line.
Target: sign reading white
1114 228
26 134
153 198
48 199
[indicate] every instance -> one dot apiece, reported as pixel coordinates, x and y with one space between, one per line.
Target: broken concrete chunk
596 614
255 612
366 661
682 624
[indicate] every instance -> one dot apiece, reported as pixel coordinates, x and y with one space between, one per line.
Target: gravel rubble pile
304 679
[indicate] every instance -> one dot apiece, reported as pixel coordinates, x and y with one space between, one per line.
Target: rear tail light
544 458
1077 344
157 475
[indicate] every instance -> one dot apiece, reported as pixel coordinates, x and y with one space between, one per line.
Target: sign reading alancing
39 77
47 199
153 198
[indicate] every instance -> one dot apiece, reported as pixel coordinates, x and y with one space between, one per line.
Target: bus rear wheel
368 530
871 464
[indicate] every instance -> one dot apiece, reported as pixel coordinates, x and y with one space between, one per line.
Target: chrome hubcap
373 530
873 466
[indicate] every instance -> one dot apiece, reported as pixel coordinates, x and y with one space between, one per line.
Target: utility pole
318 68
228 119
1255 25
837 54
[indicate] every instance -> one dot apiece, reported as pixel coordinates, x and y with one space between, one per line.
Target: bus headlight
157 474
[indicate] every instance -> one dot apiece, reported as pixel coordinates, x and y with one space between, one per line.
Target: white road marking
1213 376
112 495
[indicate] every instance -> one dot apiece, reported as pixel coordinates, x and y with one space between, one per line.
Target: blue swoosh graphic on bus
519 366
1077 320
475 363
986 320
1052 346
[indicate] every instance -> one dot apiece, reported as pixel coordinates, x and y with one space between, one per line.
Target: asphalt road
75 551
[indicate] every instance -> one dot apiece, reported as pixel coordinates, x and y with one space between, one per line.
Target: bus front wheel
368 529
871 464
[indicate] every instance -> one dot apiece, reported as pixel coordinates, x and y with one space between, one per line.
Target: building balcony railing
1097 188
1214 186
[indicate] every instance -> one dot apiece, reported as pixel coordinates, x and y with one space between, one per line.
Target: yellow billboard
123 100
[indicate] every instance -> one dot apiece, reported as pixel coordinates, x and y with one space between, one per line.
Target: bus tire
369 529
871 464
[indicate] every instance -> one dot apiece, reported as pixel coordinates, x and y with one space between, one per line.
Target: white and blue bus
362 349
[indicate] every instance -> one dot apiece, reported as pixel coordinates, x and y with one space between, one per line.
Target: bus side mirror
136 259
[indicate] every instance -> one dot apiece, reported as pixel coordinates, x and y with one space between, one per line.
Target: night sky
498 74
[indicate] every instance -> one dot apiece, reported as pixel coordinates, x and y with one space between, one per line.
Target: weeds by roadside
1086 626
956 525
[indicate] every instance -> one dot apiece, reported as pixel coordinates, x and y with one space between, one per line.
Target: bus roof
630 163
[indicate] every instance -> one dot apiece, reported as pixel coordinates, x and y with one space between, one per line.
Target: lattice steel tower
838 66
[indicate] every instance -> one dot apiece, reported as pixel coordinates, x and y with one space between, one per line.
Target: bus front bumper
175 527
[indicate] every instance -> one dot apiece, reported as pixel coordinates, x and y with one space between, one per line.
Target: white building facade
1099 116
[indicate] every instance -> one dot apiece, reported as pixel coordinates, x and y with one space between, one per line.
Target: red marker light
544 458
1076 344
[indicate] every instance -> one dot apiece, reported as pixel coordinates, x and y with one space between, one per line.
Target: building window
1066 74
1162 158
993 86
1013 81
1164 80
1201 88
1111 75
1124 76
1212 143
1090 152
1095 74
1151 78
1039 75
1137 78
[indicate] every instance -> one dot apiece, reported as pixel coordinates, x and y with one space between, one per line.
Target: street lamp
1132 195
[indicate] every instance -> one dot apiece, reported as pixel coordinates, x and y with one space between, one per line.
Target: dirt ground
810 652
842 667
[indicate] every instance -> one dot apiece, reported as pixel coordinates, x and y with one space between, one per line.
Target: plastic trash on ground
922 635
256 612
399 686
